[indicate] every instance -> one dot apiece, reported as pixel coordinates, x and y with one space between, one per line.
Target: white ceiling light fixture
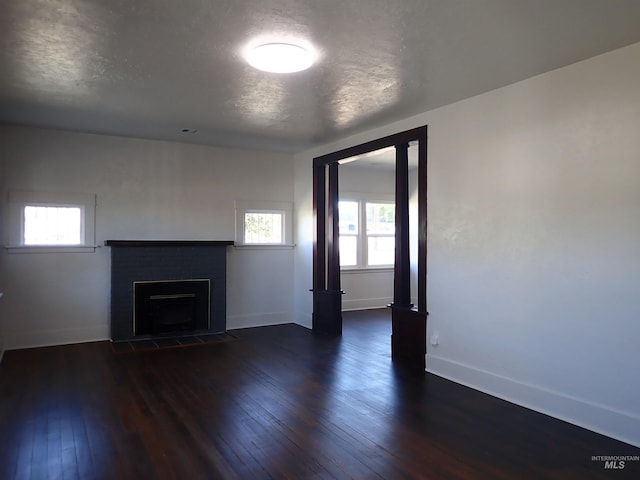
280 57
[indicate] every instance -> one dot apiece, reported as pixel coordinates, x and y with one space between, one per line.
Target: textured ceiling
149 68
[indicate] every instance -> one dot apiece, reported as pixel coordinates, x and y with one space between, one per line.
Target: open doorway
370 242
366 212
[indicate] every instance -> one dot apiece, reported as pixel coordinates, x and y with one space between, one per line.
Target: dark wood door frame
408 339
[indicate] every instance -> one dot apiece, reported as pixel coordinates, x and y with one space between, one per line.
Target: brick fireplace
167 288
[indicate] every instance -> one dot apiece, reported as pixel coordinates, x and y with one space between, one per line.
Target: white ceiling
149 68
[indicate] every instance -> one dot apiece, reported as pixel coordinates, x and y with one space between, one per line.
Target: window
263 223
263 227
52 225
380 233
60 222
348 226
367 233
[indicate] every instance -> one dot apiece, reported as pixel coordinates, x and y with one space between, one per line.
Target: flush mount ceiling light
280 57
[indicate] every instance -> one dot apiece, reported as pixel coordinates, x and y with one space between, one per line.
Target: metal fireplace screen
171 306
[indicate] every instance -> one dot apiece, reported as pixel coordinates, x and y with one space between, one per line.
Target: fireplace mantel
167 243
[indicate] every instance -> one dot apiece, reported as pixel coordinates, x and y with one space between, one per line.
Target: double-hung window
380 233
367 233
349 228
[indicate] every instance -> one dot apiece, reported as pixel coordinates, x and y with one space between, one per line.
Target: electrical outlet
434 340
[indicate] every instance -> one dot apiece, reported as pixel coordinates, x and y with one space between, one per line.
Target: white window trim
14 243
363 199
246 206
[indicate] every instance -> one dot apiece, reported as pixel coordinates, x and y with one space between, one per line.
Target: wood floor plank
279 403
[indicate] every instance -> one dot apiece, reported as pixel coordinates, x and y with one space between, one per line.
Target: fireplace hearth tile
145 345
166 342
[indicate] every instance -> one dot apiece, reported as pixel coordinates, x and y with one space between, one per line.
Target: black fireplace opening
170 307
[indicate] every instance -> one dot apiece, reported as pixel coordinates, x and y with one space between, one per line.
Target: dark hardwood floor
278 403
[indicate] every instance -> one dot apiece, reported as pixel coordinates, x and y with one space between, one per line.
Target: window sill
367 270
51 248
264 246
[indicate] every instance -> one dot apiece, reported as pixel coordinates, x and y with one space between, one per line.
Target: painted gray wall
534 241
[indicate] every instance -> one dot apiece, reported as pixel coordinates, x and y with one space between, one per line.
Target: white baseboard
62 336
1 338
304 319
235 322
46 338
366 303
623 426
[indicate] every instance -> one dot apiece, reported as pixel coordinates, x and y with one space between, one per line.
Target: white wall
2 277
304 233
145 190
534 241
